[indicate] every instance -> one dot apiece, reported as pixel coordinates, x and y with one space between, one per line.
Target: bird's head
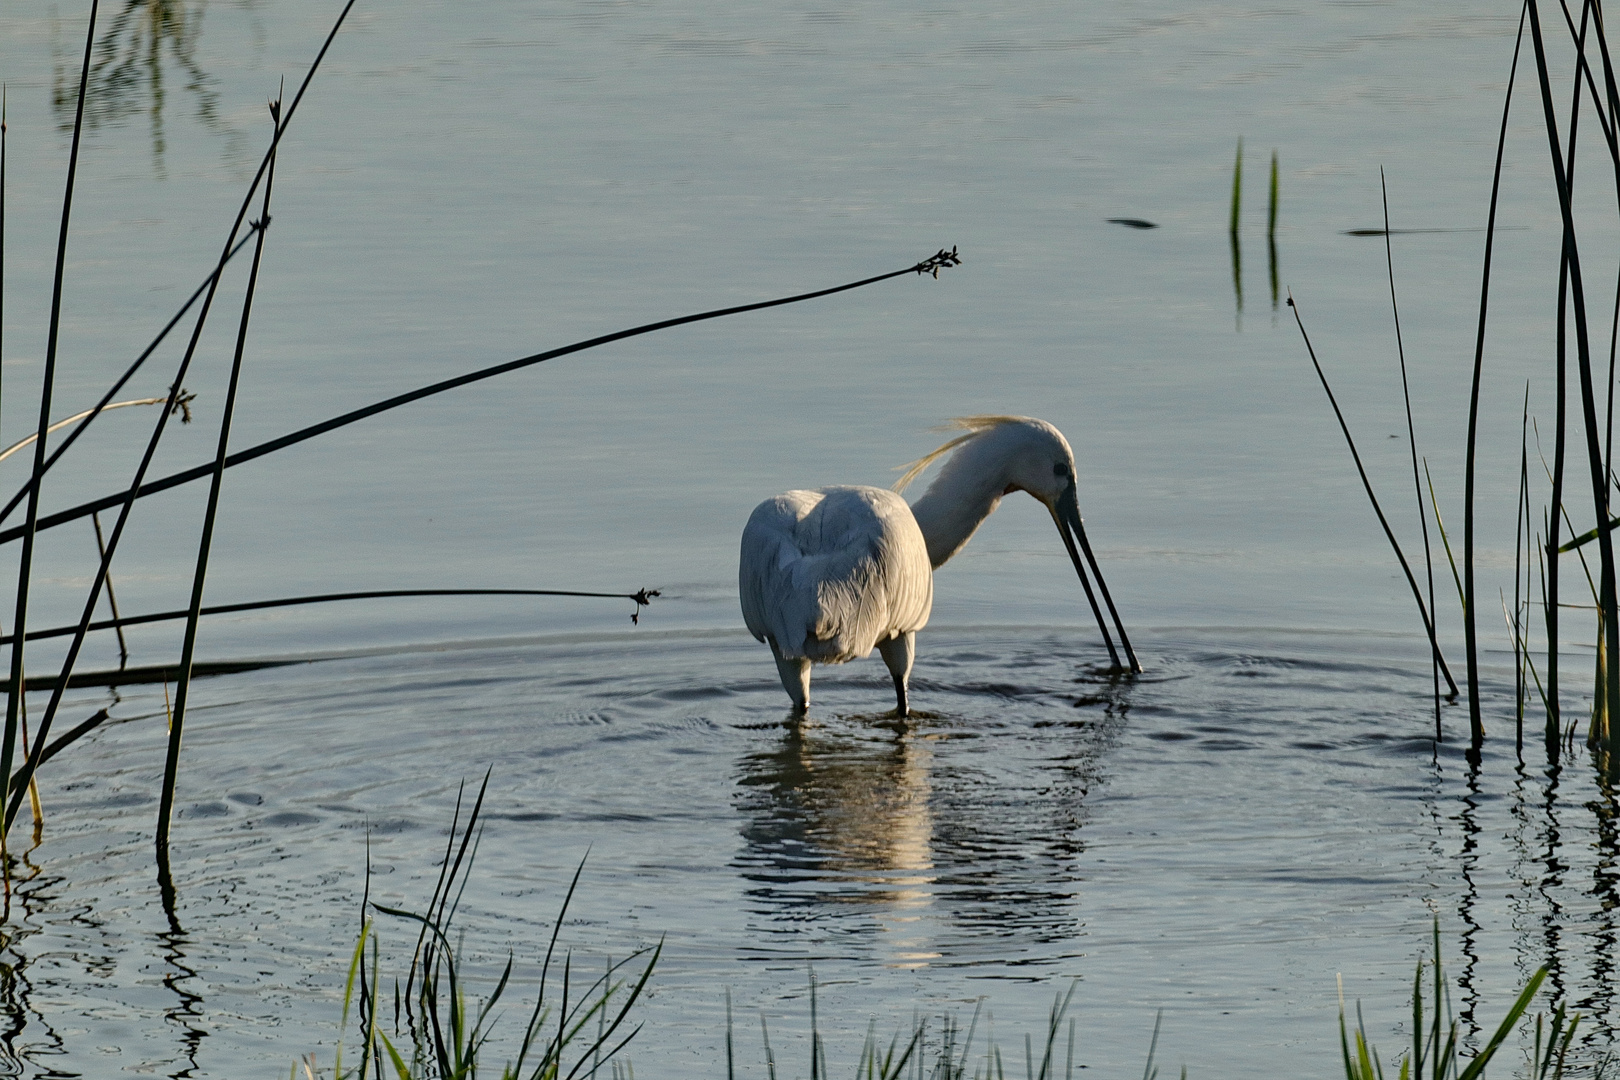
1003 454
1037 459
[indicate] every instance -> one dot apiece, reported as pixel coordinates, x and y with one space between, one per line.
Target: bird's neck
956 503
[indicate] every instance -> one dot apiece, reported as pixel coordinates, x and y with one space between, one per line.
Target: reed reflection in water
128 73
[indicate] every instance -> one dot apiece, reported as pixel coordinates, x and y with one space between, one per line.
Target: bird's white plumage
828 574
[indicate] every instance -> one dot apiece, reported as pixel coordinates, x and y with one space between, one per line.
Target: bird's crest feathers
973 425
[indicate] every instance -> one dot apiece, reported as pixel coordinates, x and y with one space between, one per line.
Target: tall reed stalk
1271 231
112 598
8 743
1435 659
1561 426
1232 228
1609 695
1521 542
126 501
1476 723
188 649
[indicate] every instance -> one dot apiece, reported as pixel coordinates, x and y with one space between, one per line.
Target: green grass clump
1435 1047
429 1029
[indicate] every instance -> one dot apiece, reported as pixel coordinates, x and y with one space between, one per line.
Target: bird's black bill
1067 516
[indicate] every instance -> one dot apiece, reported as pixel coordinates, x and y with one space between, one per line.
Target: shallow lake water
1263 810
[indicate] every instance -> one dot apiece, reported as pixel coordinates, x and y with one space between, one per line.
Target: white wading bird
828 574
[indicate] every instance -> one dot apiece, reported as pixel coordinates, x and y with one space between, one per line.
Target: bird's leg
795 678
898 653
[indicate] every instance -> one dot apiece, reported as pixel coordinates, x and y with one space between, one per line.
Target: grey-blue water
1262 811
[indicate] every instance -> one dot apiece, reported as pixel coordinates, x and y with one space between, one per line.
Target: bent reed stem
1366 483
932 265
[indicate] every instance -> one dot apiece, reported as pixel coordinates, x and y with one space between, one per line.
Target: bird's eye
1060 469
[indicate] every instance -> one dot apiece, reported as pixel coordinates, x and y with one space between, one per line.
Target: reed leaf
1476 723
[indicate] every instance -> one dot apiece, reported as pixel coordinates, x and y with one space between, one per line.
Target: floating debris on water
1411 232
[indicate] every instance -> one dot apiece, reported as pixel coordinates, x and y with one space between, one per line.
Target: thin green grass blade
1237 189
1476 1068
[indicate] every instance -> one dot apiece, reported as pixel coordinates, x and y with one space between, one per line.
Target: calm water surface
1263 810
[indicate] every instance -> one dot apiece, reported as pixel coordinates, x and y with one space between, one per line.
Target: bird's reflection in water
143 45
842 815
902 839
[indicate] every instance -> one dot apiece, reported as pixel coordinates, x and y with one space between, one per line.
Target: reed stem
930 265
126 501
1562 340
112 599
171 764
642 599
1600 487
1232 229
1521 536
48 382
1366 483
1237 189
1476 723
1271 231
28 440
1411 428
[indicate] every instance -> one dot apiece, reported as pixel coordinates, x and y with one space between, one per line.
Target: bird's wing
828 574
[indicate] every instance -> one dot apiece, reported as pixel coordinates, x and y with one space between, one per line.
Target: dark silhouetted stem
25 564
112 599
1554 722
252 452
1476 724
188 648
106 401
1271 231
641 598
1600 486
1521 537
1411 443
